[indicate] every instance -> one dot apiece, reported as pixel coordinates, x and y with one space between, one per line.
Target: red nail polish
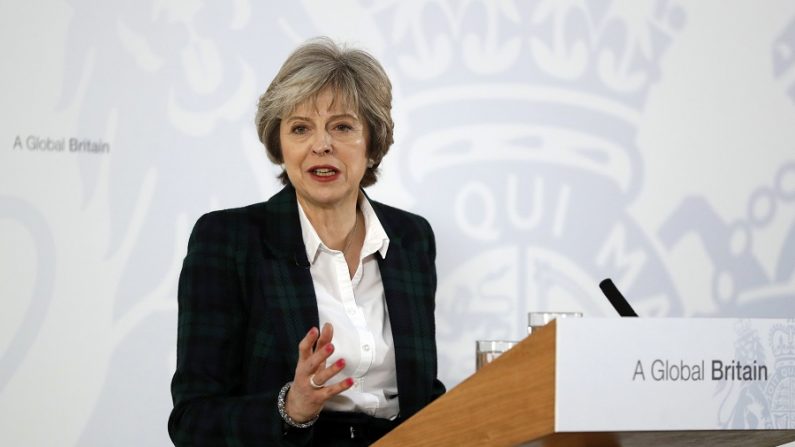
340 363
349 381
329 348
312 331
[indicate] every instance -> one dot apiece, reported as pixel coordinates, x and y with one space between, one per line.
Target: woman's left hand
308 394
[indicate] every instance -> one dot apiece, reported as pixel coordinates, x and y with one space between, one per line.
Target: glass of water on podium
536 320
488 350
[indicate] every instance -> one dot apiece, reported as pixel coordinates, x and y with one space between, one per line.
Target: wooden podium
512 401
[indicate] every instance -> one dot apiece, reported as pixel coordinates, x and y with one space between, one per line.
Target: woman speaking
308 319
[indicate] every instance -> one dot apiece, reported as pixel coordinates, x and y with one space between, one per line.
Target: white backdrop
550 143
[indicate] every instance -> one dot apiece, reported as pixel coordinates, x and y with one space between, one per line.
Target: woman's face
324 147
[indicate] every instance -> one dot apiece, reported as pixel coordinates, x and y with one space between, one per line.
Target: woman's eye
298 130
343 127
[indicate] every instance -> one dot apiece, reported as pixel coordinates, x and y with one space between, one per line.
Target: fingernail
349 381
312 331
329 348
340 363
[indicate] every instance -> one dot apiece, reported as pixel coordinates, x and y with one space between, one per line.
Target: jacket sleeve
438 387
210 406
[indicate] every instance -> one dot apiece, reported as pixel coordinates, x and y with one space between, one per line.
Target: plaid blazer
246 299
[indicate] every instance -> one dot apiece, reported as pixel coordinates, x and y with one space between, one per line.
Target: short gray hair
353 75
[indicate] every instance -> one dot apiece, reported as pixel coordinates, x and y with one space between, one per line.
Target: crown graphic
556 82
608 48
782 341
747 347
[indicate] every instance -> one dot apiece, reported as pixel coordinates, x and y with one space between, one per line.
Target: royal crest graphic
765 404
744 405
780 390
524 128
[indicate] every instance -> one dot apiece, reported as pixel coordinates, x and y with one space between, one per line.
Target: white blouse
357 310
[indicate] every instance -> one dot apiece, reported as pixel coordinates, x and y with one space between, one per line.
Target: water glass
536 320
488 350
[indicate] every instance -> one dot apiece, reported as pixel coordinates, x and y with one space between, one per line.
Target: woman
308 319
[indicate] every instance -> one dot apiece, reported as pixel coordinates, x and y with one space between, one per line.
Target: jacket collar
282 226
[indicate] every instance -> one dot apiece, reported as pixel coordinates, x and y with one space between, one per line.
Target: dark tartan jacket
246 299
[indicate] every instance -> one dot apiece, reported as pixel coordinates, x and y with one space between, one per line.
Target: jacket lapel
405 300
286 280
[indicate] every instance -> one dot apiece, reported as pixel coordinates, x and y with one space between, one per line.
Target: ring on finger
313 384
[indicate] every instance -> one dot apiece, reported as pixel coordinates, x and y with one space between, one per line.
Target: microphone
615 297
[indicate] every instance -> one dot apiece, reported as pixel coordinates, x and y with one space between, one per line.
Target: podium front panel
641 374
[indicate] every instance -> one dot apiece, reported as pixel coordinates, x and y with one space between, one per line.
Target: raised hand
308 393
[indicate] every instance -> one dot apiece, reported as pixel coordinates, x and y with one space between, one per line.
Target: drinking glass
488 350
536 320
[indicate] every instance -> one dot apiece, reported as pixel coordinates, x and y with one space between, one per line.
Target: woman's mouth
323 173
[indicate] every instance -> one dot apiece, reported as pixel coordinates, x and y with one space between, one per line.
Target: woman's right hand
304 401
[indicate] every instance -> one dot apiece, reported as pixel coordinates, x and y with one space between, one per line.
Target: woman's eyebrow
335 116
344 115
296 117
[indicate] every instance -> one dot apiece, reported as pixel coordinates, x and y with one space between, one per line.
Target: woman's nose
322 143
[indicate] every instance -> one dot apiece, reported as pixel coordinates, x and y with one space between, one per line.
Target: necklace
349 239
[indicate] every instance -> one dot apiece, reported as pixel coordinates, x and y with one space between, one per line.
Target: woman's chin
328 197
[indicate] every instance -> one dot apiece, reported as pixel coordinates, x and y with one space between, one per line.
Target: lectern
624 382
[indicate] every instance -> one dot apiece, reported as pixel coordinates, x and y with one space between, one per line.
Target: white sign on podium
642 374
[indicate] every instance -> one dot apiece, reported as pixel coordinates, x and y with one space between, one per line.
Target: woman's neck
334 225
